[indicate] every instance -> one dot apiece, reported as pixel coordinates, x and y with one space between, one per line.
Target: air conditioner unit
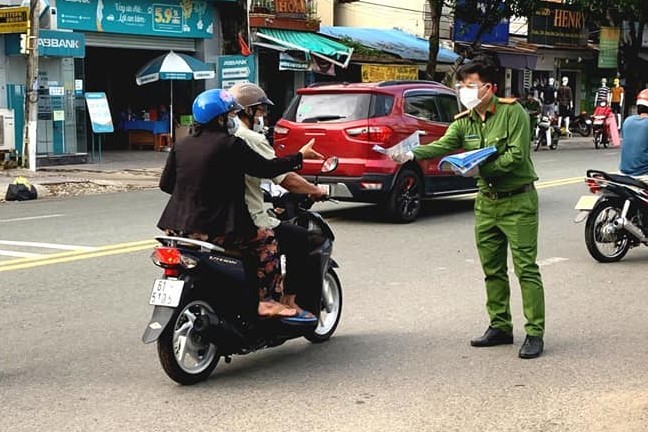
7 130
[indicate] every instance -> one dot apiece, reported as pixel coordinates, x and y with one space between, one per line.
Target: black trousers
300 271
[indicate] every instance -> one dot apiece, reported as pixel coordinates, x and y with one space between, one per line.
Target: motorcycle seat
628 180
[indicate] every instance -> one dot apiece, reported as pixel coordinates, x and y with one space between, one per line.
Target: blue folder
463 162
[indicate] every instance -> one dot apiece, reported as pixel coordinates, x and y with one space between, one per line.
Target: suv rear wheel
405 199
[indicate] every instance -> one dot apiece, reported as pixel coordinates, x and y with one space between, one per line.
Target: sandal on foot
303 318
277 312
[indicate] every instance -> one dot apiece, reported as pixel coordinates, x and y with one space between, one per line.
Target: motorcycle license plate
586 203
166 292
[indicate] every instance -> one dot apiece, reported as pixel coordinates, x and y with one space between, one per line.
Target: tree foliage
486 14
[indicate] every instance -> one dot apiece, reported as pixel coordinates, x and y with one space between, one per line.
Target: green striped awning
308 42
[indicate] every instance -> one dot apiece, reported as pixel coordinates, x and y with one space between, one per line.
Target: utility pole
31 89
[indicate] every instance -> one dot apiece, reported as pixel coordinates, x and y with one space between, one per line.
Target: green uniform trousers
510 221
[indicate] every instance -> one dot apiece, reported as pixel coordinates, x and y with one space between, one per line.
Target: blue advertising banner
464 32
233 69
179 18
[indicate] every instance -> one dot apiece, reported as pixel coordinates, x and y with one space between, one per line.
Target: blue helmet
213 103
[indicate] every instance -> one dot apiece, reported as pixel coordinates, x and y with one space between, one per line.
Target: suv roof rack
401 82
320 84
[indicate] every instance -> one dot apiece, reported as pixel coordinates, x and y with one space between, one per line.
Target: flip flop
303 318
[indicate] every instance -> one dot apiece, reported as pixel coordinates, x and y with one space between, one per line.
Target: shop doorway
112 70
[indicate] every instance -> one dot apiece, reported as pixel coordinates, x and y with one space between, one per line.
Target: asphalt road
71 357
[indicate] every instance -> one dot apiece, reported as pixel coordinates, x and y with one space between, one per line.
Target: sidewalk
117 171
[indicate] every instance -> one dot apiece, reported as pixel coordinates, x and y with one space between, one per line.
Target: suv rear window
338 107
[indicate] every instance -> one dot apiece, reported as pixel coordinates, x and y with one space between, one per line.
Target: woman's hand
308 152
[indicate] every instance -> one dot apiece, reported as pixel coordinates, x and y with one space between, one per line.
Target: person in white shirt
301 274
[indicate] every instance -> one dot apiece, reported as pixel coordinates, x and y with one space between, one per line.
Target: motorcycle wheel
185 357
330 309
597 139
539 140
604 242
404 202
584 129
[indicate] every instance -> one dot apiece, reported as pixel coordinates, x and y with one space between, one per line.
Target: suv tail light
371 133
280 130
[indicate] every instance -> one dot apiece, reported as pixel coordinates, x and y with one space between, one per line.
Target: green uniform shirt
507 128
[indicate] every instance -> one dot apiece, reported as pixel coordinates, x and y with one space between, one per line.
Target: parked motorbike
617 215
544 124
205 305
600 129
581 124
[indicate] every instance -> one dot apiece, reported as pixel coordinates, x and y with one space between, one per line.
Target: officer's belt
500 195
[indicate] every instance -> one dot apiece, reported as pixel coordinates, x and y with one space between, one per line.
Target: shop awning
518 61
391 41
310 43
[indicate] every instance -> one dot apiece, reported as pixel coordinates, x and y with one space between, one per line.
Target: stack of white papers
463 162
408 144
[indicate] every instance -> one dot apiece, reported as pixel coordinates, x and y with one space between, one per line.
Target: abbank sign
61 44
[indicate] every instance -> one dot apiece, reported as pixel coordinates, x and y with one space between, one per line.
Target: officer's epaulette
461 114
507 101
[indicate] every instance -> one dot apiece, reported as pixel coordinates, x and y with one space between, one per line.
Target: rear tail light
370 133
593 186
280 130
171 258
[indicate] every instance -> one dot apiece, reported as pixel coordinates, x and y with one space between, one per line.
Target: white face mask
232 125
258 125
469 97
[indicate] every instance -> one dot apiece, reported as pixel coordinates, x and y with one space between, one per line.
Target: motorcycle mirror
329 165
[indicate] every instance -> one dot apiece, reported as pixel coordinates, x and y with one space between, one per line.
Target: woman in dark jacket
205 175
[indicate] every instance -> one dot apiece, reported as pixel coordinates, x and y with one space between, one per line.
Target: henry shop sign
51 43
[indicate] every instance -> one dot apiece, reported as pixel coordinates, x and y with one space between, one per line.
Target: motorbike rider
605 111
293 239
634 151
204 174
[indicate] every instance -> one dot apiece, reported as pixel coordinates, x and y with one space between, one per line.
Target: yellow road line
122 248
48 257
78 257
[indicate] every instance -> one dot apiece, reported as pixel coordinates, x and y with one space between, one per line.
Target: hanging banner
609 48
185 18
375 73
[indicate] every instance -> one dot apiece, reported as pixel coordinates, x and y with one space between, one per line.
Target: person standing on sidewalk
506 207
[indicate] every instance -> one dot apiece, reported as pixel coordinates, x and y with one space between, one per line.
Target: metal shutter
112 40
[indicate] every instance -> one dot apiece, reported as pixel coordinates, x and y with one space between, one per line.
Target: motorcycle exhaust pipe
623 223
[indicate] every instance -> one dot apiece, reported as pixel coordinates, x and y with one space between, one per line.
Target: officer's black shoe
532 347
492 337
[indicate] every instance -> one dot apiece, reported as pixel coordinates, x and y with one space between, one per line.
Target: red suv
347 120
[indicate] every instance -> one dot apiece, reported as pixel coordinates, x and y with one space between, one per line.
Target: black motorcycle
617 215
581 124
206 305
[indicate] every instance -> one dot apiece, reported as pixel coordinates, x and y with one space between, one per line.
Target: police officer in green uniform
506 207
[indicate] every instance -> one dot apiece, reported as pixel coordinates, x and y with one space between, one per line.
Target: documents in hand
463 162
408 144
